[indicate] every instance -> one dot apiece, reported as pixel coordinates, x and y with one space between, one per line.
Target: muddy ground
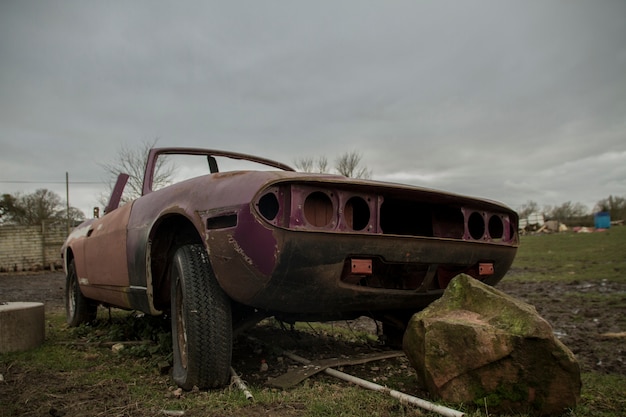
591 325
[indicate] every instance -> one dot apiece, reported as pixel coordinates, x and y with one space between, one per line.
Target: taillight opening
496 227
269 206
357 213
319 209
476 225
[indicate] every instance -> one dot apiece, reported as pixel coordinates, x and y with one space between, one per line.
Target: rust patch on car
233 242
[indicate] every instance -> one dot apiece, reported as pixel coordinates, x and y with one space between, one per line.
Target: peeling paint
238 249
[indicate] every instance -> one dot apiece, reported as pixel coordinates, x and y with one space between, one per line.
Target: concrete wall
31 248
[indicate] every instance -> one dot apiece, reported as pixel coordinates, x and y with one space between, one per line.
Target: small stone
173 412
264 366
117 348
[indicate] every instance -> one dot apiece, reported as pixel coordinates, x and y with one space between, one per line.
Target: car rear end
324 247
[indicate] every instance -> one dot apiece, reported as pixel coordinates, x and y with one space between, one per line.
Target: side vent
222 222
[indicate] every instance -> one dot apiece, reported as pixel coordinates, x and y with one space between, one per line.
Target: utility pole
67 199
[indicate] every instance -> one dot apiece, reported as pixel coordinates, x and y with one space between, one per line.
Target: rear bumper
311 270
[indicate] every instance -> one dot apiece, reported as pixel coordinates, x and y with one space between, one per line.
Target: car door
106 260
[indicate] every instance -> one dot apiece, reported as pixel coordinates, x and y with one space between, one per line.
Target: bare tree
319 164
41 205
567 211
304 164
132 161
75 215
528 208
322 164
8 208
615 205
35 208
348 163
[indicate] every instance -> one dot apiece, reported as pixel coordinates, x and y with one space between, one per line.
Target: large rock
477 344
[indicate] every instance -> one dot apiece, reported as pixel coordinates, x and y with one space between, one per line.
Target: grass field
566 257
75 372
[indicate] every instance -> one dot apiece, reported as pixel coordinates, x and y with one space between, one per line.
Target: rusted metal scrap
295 376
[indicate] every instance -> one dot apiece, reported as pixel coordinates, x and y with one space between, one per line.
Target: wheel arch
167 234
68 256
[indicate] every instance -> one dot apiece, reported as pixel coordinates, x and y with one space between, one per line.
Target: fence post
43 244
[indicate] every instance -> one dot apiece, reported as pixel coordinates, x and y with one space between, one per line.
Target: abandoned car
222 250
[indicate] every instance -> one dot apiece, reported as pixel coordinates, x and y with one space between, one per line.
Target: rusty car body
224 249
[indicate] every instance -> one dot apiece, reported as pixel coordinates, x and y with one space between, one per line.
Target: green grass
603 395
569 256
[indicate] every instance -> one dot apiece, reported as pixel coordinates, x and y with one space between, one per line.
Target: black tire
78 308
202 335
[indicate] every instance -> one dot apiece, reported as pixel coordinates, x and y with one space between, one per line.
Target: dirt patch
45 287
588 317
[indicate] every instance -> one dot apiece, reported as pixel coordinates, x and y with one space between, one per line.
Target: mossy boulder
479 345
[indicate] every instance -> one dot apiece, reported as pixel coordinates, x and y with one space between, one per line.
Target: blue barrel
602 220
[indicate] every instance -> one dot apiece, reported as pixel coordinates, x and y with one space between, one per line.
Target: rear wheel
201 322
78 308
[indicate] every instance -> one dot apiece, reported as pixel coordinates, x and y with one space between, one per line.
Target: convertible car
222 250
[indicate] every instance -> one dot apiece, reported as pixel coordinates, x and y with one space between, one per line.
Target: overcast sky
507 100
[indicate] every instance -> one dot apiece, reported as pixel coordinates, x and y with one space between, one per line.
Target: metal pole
67 199
401 396
43 244
240 384
404 398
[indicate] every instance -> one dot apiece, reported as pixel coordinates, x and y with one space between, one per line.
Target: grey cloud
506 99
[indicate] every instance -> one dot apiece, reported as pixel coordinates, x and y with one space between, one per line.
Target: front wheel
78 308
201 322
